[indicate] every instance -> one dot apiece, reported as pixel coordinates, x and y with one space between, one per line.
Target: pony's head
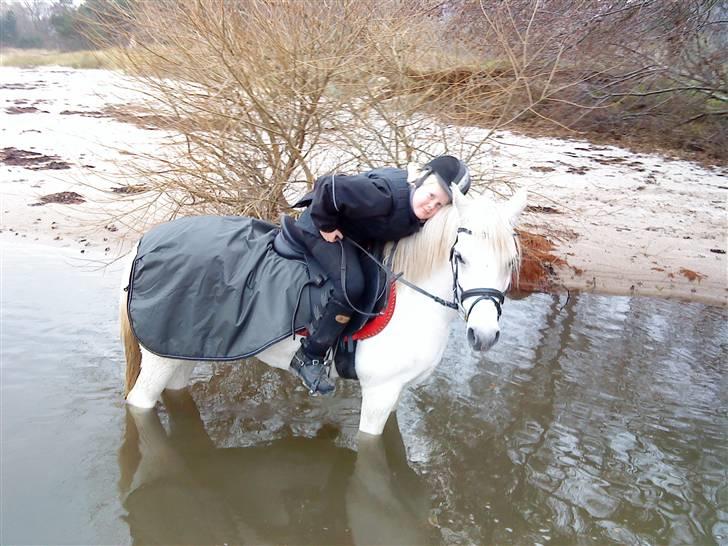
486 254
477 236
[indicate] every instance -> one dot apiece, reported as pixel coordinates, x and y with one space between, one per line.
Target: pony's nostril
497 335
472 340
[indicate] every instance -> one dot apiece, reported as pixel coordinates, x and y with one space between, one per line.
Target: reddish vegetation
537 264
691 275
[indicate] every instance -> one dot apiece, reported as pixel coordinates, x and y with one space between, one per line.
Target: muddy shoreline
600 219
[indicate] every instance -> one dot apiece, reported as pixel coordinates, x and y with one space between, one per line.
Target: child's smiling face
428 199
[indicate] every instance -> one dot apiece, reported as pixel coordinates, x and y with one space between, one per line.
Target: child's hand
331 236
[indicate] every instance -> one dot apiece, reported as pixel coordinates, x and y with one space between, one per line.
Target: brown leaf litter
34 161
63 198
691 275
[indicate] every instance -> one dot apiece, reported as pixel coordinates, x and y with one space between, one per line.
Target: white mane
419 255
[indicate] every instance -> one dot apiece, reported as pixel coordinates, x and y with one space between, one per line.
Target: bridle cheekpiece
460 295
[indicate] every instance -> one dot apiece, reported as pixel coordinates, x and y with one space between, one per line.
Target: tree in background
266 93
627 69
102 21
57 24
8 28
65 22
652 69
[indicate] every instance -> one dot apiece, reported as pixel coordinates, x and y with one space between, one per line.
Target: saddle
227 287
289 244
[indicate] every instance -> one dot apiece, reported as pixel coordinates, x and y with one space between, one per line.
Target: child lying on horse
380 205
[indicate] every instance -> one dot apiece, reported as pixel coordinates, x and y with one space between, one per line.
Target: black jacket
373 206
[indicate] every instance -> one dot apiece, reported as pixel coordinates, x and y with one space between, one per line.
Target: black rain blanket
213 288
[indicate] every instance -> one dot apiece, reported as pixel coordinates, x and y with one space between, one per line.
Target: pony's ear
516 204
458 199
413 171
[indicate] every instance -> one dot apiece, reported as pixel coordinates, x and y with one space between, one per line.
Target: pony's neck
439 282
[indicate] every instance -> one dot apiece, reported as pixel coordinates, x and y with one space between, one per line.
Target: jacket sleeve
337 197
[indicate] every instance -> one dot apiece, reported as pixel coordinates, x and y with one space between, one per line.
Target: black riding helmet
447 170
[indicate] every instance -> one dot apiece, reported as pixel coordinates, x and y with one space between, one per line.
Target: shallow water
601 420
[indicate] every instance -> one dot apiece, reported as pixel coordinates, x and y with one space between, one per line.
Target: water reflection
178 488
601 422
606 424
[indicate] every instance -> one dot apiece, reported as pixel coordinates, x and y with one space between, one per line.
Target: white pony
465 255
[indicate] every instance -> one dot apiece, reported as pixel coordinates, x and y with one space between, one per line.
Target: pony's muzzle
479 341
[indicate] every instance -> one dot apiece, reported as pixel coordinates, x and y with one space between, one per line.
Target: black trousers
329 255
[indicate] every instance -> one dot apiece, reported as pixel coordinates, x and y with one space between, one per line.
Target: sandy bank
621 222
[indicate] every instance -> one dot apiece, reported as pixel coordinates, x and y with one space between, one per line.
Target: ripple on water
605 419
600 421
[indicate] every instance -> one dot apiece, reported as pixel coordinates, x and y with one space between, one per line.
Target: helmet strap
421 180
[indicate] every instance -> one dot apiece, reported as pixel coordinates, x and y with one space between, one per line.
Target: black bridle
495 296
459 295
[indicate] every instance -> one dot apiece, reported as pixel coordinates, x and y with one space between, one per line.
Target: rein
496 296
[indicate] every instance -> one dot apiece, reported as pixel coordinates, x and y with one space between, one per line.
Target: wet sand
621 222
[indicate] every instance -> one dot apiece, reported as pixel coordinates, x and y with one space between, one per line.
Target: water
598 421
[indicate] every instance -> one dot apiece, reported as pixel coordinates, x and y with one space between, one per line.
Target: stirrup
320 369
325 373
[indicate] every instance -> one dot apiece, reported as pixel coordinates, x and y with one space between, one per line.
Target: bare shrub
246 85
266 93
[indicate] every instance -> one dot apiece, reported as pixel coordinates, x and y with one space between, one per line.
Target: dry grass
73 59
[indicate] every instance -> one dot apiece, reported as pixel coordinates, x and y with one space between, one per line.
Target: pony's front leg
156 372
377 402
